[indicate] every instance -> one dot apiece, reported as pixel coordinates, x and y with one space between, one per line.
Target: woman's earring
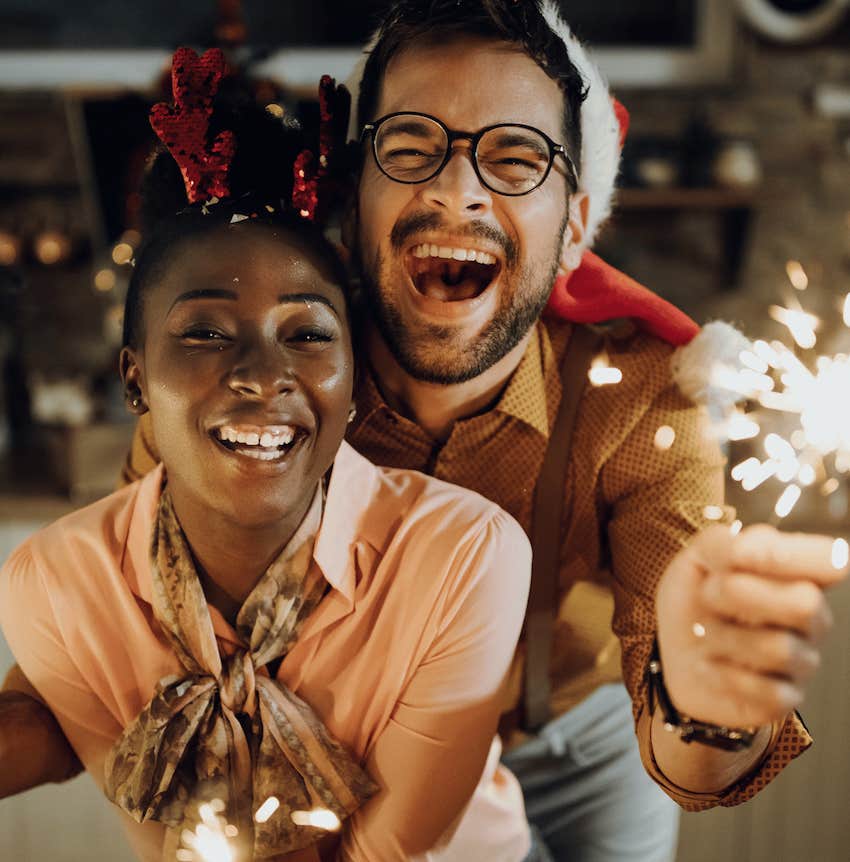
136 401
351 414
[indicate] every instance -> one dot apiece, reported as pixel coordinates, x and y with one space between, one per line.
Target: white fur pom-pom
700 367
600 129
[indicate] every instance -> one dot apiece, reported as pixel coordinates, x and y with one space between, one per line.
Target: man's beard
434 354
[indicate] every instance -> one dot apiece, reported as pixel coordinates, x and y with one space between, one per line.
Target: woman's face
246 368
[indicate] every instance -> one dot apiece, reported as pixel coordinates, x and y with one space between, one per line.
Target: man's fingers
757 601
766 551
765 651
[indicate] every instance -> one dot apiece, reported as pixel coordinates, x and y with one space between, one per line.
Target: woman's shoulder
410 493
405 509
88 540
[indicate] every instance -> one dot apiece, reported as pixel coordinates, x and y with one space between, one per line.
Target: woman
267 614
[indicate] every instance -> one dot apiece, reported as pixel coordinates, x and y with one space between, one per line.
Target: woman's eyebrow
307 298
205 293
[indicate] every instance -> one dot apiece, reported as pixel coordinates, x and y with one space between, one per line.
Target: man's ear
574 236
132 376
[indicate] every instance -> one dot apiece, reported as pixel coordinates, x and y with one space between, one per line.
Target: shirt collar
349 496
524 397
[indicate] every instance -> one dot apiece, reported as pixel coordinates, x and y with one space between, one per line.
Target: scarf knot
237 687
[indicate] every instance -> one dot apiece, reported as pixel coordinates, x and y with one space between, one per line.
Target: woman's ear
132 376
574 248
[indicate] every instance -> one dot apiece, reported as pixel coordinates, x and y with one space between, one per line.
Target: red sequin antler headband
316 181
184 126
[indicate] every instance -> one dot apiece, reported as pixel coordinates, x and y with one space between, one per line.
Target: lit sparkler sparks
210 840
815 393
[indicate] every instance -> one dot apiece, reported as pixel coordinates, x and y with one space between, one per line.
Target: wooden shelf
731 208
685 198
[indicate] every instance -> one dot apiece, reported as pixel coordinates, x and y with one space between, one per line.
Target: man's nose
457 189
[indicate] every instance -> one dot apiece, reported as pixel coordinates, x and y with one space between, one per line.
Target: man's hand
33 749
740 619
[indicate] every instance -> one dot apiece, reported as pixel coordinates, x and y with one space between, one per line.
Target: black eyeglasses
509 159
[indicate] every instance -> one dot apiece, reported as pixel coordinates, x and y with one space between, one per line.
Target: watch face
793 21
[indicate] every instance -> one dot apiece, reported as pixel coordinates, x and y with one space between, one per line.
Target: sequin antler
184 126
316 180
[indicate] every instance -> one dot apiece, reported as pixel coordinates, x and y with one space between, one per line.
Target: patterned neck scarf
225 729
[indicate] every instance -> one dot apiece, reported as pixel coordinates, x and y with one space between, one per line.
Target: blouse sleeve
31 626
430 757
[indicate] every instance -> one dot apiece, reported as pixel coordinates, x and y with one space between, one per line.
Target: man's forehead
471 83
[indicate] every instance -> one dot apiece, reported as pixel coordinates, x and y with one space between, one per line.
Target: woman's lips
258 442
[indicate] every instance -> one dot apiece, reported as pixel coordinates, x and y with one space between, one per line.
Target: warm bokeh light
122 253
319 818
105 280
797 275
265 811
665 437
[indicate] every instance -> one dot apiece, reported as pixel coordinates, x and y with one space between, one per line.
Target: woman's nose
262 372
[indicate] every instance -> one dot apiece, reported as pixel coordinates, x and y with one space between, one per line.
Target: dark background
164 23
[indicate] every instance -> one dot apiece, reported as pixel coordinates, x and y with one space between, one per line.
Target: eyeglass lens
511 159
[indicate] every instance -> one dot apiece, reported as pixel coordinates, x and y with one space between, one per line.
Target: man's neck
435 407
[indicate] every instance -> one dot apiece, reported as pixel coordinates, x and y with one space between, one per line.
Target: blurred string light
318 818
797 275
51 247
10 248
602 373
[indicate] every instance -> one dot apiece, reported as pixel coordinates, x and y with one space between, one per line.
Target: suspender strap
547 518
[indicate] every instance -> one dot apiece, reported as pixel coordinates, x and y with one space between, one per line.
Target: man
464 384
461 230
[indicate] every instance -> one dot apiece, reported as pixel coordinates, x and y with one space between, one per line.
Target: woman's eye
311 335
203 334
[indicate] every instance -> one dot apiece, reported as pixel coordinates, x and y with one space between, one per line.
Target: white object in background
737 166
775 23
61 402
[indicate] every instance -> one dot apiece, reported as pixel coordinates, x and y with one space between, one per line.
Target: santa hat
596 291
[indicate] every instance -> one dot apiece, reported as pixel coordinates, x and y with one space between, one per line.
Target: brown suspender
547 518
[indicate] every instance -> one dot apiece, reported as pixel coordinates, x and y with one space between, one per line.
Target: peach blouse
403 659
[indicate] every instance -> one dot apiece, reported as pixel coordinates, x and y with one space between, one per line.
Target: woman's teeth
262 444
445 252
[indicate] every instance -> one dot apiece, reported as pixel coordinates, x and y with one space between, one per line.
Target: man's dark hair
517 22
260 175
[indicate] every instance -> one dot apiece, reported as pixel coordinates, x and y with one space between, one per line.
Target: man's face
448 320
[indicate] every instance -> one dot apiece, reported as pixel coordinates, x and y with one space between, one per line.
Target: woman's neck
230 557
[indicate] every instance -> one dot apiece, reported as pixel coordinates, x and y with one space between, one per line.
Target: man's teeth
264 437
425 249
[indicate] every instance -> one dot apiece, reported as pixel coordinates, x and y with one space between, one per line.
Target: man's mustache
409 226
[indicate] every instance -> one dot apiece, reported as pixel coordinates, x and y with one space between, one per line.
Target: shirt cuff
789 739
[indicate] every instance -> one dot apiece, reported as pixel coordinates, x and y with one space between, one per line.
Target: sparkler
210 840
812 393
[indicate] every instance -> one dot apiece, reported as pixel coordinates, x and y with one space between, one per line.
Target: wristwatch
690 730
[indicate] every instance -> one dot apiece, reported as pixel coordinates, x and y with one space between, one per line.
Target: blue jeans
587 796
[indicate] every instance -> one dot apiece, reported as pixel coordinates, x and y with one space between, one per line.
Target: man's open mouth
260 442
451 274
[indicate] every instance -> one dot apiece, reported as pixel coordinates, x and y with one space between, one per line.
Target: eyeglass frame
474 138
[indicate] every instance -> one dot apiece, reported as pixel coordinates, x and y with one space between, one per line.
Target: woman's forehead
246 255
